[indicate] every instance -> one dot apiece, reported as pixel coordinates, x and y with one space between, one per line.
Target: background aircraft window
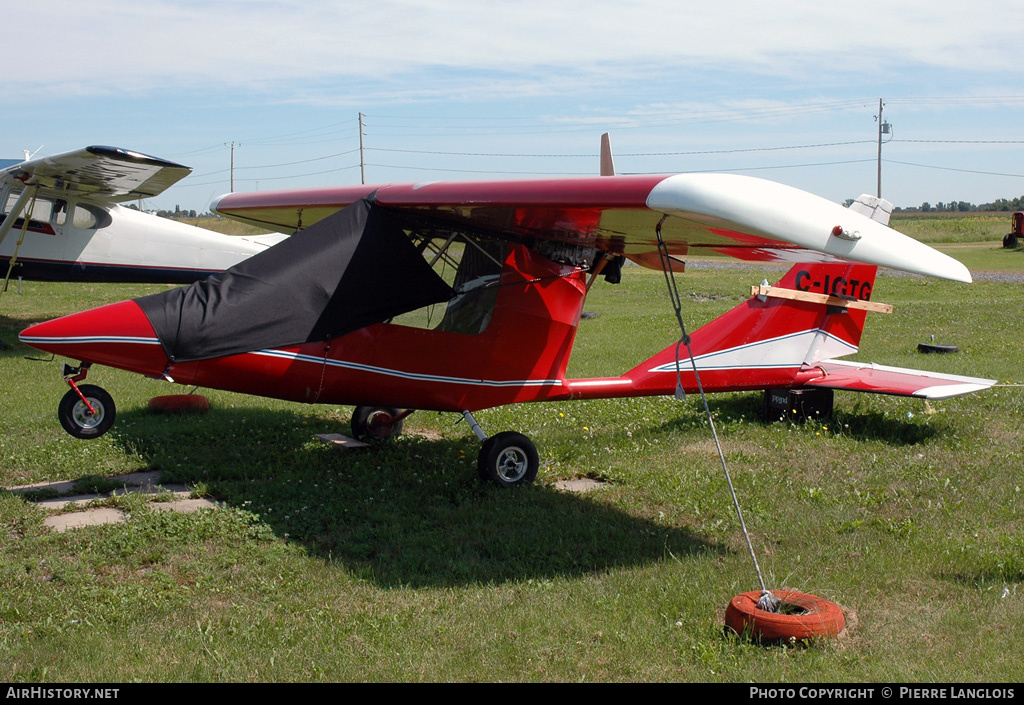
59 216
12 198
90 217
44 210
41 210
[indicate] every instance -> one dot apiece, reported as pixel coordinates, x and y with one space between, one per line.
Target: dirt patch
580 484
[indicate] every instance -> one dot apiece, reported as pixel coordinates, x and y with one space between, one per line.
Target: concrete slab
91 517
186 506
146 483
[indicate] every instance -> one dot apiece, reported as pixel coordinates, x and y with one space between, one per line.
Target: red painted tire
807 616
180 404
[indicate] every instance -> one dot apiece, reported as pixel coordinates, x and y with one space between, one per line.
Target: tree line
999 205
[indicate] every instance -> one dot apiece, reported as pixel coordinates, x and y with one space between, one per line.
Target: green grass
396 564
936 228
225 225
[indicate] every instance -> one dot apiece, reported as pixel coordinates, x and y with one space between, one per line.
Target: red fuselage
520 355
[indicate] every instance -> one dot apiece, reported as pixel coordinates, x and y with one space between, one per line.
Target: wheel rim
512 464
379 424
84 419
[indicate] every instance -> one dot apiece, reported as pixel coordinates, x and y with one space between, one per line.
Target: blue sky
458 90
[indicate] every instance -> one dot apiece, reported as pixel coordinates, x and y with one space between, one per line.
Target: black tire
375 423
936 348
508 459
75 417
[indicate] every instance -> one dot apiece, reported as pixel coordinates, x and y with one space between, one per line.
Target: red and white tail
772 339
785 336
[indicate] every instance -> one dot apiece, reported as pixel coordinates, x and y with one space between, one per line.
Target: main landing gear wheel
375 423
76 418
508 459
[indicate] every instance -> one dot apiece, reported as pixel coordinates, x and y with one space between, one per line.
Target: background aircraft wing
104 173
880 379
739 216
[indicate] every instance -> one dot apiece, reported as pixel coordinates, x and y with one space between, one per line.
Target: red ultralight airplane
464 296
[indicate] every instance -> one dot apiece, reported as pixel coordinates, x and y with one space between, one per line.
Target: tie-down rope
768 602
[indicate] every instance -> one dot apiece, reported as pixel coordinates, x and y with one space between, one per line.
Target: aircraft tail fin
785 336
607 162
776 338
876 208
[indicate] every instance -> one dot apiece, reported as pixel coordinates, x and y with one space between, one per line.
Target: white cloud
130 45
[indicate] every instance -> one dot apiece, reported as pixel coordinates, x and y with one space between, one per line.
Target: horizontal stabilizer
880 379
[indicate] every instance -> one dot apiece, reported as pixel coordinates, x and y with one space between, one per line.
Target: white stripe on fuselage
86 339
301 357
416 376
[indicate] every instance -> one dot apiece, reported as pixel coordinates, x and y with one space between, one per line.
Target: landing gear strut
507 459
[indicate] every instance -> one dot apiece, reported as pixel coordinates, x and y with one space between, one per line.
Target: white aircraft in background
61 220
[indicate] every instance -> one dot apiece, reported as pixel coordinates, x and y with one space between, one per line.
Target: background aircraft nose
118 335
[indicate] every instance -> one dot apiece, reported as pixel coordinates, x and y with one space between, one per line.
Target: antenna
29 156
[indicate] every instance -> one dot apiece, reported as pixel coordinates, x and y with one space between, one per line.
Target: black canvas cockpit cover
350 270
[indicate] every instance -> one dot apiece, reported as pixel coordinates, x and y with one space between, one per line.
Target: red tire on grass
180 404
802 616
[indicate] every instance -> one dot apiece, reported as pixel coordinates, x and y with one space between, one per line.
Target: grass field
396 564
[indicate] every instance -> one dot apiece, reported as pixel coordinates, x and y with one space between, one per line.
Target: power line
950 168
961 141
279 178
620 154
275 166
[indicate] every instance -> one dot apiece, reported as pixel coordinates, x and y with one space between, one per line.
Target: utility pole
362 157
883 129
233 145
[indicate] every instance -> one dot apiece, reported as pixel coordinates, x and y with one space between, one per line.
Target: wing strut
19 208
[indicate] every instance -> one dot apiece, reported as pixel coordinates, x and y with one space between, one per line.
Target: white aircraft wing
103 173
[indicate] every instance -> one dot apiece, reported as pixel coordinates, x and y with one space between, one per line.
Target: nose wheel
86 411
